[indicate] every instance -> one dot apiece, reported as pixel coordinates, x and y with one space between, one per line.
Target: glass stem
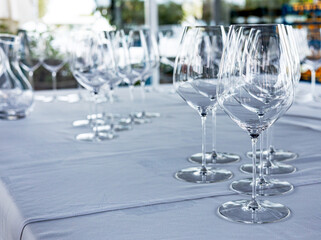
203 169
79 91
131 96
54 83
262 180
96 113
253 203
142 84
214 154
313 82
270 149
111 100
30 75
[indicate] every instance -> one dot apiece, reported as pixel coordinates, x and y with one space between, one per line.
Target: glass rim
258 25
206 26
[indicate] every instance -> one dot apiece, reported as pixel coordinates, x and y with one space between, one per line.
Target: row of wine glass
251 72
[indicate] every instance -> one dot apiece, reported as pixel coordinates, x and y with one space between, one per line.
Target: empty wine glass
125 72
88 65
270 154
194 69
154 60
140 65
29 57
217 38
255 89
54 55
115 78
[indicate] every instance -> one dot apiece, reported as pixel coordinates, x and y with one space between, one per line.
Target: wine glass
54 55
115 38
154 61
217 38
270 154
255 89
125 72
88 65
29 57
140 65
194 69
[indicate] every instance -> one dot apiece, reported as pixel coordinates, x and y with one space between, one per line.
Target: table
53 187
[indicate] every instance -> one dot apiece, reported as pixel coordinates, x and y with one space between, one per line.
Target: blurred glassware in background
54 45
140 65
16 95
88 65
154 61
29 52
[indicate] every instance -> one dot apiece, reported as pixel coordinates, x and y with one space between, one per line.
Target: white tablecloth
53 187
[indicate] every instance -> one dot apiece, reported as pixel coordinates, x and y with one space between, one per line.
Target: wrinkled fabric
47 175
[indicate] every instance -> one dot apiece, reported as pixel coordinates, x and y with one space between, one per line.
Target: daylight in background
171 16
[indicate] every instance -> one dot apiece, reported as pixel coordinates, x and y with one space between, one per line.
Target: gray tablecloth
53 187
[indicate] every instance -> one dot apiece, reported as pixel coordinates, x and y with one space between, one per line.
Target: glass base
45 99
195 175
273 187
92 137
278 155
70 98
119 128
221 158
12 115
86 122
240 211
142 120
81 123
152 114
275 169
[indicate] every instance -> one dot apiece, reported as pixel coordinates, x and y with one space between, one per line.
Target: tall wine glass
114 78
54 55
194 68
88 65
270 154
217 38
140 65
125 72
154 61
29 57
255 89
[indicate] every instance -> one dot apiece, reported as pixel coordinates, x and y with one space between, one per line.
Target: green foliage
4 28
132 13
170 13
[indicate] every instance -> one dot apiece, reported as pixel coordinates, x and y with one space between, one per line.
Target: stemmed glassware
139 60
270 154
88 64
154 61
125 72
194 69
217 43
54 55
29 57
255 89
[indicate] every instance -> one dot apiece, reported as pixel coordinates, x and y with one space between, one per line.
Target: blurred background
165 17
